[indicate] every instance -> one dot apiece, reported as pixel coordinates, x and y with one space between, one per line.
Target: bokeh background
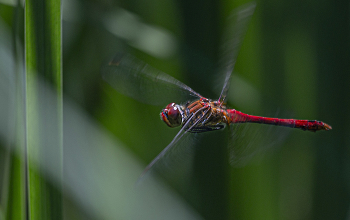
294 60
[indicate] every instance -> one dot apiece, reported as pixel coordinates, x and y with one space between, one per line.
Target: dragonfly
197 114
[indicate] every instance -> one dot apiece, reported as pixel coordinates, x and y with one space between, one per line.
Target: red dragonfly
138 80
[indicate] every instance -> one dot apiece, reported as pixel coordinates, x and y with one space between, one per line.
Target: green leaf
43 54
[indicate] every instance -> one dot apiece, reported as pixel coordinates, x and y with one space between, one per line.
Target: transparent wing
140 81
235 30
250 141
170 146
175 143
174 163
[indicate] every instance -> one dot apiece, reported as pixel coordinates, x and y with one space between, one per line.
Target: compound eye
171 115
170 105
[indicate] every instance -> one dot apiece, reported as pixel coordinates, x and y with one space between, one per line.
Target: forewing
174 162
140 81
176 166
181 143
237 25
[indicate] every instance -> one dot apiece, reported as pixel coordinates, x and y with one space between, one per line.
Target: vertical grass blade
43 110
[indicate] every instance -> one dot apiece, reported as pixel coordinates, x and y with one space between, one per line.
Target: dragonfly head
172 115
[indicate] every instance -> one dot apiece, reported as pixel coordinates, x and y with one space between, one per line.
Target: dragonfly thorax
172 115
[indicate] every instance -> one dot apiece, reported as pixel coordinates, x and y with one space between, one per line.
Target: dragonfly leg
207 128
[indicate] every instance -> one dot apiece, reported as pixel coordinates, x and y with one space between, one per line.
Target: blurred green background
295 55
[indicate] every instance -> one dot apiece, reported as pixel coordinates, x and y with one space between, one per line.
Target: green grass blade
12 175
43 110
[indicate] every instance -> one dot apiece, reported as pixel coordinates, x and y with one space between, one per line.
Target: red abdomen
310 125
